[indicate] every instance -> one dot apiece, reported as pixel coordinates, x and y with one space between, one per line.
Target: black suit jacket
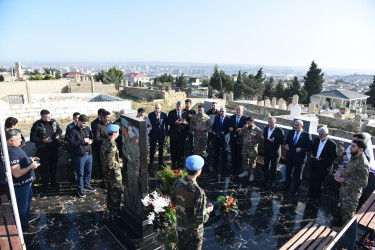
68 128
159 128
232 123
328 154
174 129
304 142
273 148
216 126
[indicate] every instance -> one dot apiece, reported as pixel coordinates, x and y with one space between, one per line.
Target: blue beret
113 128
194 162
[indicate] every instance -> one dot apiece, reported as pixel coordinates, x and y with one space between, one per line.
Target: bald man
297 144
323 153
158 133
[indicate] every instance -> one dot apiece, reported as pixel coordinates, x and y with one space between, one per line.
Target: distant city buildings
136 77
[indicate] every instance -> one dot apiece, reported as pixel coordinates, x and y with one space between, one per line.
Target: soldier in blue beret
190 202
112 164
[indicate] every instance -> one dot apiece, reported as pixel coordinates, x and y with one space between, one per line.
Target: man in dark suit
236 122
73 124
158 133
219 127
273 137
297 144
177 122
323 153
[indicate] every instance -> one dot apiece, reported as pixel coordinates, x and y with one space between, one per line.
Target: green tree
313 80
163 79
295 87
303 96
181 81
238 87
1 78
100 76
215 79
371 93
58 74
279 90
205 83
269 89
259 75
227 82
115 76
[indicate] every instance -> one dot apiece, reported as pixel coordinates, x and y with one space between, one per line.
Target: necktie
237 121
221 121
295 138
178 115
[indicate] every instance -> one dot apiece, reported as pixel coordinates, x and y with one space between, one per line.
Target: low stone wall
64 105
40 87
152 94
258 109
347 125
85 87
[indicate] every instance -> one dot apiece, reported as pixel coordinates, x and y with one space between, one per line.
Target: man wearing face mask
322 156
250 135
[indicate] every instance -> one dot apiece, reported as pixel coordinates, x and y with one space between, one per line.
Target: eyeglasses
221 111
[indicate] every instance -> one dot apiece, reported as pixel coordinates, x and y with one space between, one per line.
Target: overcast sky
334 33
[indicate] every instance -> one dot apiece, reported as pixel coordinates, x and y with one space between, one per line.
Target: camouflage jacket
356 173
254 133
190 202
109 155
200 122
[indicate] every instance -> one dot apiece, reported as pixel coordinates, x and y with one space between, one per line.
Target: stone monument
282 104
295 111
358 118
131 229
261 103
92 84
290 106
230 96
19 72
295 99
311 108
273 103
267 103
337 115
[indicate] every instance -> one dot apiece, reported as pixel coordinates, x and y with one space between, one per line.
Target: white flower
150 218
146 201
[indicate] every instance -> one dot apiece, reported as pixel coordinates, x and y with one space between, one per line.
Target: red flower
227 207
173 208
175 171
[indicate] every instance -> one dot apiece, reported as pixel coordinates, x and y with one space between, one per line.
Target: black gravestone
131 230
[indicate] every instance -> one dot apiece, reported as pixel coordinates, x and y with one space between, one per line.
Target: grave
131 230
295 99
295 111
273 103
337 115
261 103
311 109
290 106
267 103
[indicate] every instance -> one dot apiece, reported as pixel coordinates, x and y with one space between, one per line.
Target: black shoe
34 218
89 189
81 194
103 184
31 230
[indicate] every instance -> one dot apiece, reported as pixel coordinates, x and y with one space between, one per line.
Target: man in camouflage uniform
200 123
352 178
112 165
250 135
190 202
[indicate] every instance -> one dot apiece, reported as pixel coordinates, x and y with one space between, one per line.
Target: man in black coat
46 133
323 153
273 137
219 127
158 133
73 124
236 122
297 144
177 122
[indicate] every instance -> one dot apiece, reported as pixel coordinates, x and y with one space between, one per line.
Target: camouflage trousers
114 191
189 242
249 157
349 198
200 142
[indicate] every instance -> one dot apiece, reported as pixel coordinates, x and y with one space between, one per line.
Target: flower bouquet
168 176
158 205
227 207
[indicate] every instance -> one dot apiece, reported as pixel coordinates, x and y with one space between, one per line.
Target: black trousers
270 165
160 141
48 160
297 165
236 150
318 173
177 150
221 147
